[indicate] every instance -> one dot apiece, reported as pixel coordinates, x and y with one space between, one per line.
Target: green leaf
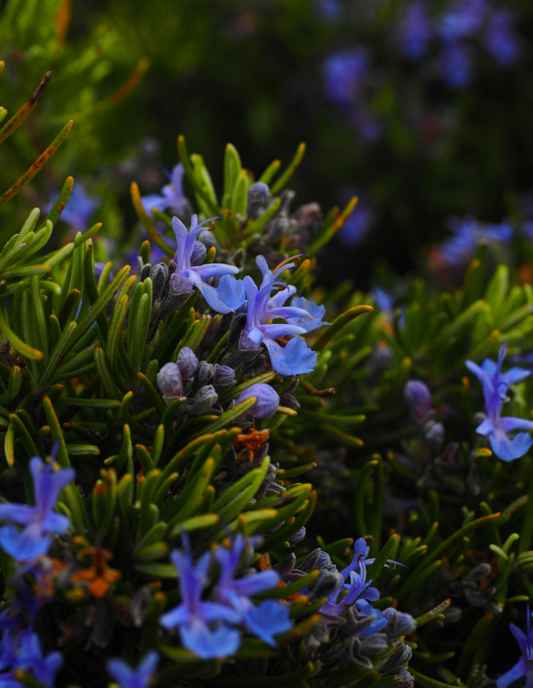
20 346
337 325
239 197
41 160
58 207
386 553
291 169
232 168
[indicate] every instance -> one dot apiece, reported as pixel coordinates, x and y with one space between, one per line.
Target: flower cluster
459 23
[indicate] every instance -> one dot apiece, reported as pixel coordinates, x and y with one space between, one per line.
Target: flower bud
169 381
158 275
204 374
224 377
187 362
207 238
418 397
298 536
258 195
198 253
267 400
434 433
479 572
277 229
205 398
328 583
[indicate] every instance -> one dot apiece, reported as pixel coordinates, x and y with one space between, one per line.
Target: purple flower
418 397
415 30
127 677
468 234
495 385
345 72
202 625
296 358
79 209
500 39
270 617
524 666
38 520
315 314
462 19
267 400
229 294
456 64
172 197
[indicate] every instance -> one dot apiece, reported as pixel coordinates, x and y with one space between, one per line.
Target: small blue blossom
31 659
270 617
376 626
331 10
345 72
463 18
500 39
172 197
39 520
456 64
491 376
468 234
315 314
141 677
79 209
295 358
524 666
229 294
415 30
357 591
202 625
495 385
357 226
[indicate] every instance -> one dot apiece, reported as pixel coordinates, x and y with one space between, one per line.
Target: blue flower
524 666
229 294
357 591
296 358
172 197
456 64
30 658
464 18
500 39
495 385
202 625
415 31
79 208
345 73
141 677
38 520
377 625
354 230
491 376
314 317
270 617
